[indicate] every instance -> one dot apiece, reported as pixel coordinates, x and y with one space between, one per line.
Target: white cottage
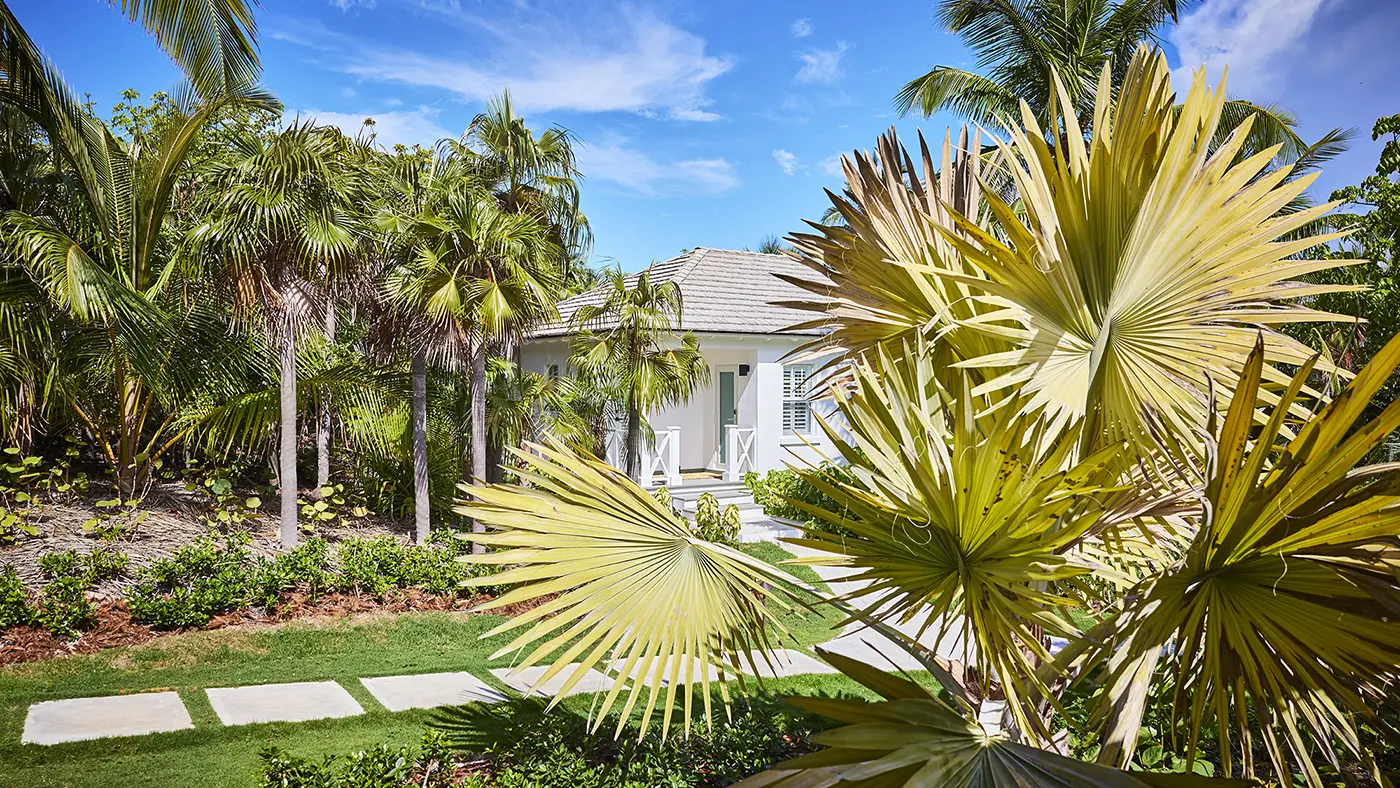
755 414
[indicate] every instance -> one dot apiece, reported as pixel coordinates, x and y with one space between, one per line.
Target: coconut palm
627 344
102 264
1019 45
278 228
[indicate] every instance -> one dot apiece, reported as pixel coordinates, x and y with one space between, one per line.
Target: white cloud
1246 35
406 127
787 160
645 65
802 28
346 5
821 66
634 169
831 165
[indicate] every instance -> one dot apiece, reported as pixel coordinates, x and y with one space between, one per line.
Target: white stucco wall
758 399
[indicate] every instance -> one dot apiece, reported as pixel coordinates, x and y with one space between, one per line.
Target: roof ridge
690 266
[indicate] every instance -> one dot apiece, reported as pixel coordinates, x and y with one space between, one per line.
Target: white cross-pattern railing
615 449
664 460
739 451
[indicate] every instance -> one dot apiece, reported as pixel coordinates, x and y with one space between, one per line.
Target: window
552 372
797 411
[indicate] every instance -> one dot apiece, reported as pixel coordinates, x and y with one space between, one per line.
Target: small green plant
92 568
305 568
115 519
713 525
663 497
333 504
227 508
14 600
776 490
64 607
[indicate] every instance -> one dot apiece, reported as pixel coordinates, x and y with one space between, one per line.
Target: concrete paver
523 679
79 719
298 702
430 690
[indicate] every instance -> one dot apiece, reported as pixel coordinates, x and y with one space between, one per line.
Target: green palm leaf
911 739
622 582
1281 614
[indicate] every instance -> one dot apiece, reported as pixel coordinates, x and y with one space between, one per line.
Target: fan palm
1020 45
279 226
627 344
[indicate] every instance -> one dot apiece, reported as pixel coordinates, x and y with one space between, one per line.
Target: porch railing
664 460
739 451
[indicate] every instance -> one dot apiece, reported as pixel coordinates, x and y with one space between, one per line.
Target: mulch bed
115 626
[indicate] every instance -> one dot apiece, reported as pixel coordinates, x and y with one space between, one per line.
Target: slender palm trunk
287 450
634 444
421 520
323 422
478 467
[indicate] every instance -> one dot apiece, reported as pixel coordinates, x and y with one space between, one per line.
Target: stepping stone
306 700
696 676
874 650
523 679
79 719
783 662
430 690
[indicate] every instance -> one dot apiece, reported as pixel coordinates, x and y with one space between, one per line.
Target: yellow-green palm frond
1278 625
873 282
623 585
965 517
911 739
1146 260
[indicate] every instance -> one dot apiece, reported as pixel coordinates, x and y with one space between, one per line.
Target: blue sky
706 123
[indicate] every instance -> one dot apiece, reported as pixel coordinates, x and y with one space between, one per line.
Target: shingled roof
722 291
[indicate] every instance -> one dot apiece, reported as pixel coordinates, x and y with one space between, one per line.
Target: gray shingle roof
722 291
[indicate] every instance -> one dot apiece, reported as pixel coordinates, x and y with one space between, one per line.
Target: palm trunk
634 444
421 520
478 467
323 423
287 450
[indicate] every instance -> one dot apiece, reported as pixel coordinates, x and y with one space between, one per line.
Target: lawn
341 649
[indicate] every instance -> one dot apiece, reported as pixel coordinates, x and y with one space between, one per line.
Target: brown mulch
115 626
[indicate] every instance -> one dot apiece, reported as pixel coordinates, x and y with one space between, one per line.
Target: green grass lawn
342 650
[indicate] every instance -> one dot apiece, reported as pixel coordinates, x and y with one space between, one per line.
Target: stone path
78 719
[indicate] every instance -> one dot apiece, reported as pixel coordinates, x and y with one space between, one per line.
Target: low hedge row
219 574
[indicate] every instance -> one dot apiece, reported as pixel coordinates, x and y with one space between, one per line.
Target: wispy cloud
1247 35
643 64
821 66
617 161
802 28
396 127
787 160
831 165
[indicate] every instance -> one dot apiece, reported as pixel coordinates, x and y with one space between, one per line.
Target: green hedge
774 490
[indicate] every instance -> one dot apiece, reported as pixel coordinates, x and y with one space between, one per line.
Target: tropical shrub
713 525
193 585
63 607
306 567
100 565
14 600
782 493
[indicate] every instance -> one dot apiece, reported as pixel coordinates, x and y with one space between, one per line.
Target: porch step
686 495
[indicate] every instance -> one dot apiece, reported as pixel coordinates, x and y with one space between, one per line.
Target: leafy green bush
775 490
714 526
64 607
526 748
92 568
306 567
196 583
14 600
380 565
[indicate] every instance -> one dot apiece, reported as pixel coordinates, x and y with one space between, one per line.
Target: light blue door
727 414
